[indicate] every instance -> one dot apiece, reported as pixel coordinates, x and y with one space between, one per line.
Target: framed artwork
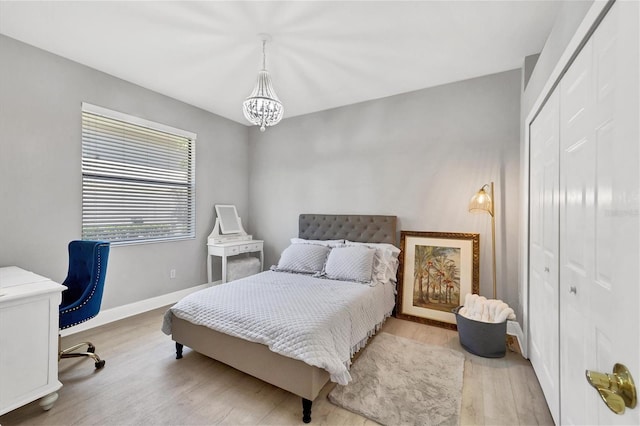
437 270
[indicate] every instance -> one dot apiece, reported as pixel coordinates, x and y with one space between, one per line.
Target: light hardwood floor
143 384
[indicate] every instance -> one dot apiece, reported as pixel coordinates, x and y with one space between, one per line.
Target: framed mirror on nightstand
228 218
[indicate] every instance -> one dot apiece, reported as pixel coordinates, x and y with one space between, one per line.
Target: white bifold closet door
543 251
591 276
600 216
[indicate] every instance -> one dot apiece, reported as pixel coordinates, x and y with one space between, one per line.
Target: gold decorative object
617 390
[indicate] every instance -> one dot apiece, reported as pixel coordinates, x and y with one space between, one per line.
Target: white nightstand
233 248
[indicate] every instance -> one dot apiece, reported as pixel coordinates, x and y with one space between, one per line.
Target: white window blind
137 179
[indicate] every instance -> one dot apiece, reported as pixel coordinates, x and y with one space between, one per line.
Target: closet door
600 216
576 232
543 249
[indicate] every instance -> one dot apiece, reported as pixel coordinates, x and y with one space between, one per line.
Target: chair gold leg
72 352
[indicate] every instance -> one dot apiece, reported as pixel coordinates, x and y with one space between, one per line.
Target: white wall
40 175
420 156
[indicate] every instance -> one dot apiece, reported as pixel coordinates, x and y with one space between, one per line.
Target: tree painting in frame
437 270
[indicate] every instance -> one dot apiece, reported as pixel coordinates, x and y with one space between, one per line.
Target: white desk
225 250
29 305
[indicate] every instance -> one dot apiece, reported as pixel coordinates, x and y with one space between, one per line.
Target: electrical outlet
172 273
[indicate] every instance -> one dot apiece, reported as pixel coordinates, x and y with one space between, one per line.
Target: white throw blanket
479 308
319 321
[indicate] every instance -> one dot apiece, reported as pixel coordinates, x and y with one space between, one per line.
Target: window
138 180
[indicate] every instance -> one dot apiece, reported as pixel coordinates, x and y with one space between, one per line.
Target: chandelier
262 107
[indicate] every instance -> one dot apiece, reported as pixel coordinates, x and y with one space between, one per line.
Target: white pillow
328 243
303 259
385 248
385 263
350 264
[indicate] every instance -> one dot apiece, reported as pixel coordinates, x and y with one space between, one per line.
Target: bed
283 366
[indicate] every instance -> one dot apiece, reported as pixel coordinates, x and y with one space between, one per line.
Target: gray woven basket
484 339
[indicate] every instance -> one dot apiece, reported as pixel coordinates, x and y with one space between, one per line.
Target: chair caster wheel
91 349
100 364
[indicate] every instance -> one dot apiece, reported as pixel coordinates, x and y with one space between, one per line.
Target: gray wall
420 156
40 175
569 17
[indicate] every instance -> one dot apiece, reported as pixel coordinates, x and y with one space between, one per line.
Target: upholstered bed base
257 360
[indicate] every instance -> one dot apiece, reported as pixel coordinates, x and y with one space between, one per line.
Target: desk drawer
244 248
249 247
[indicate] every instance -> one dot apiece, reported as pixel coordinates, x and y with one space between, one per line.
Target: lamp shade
481 201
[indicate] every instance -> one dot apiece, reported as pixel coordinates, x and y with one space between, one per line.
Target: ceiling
324 54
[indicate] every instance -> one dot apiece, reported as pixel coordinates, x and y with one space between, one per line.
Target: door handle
617 390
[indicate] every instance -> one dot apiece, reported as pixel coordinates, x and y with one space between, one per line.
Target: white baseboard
514 329
120 312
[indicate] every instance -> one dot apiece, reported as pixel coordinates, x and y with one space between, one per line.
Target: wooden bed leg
306 410
179 347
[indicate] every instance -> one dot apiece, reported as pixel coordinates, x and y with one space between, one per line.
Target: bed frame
256 359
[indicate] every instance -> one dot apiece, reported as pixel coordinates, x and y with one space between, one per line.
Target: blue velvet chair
83 296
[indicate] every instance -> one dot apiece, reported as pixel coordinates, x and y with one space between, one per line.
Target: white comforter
319 321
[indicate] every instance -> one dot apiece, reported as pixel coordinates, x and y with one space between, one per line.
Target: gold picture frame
436 272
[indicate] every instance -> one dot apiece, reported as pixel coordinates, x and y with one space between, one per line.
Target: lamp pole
493 238
484 202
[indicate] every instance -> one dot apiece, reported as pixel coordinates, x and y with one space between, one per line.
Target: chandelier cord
264 55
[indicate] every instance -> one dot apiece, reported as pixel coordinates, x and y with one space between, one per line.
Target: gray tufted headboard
360 228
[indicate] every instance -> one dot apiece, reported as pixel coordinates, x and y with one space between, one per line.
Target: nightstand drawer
245 248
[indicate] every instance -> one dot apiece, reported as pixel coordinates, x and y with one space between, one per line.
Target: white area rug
398 381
